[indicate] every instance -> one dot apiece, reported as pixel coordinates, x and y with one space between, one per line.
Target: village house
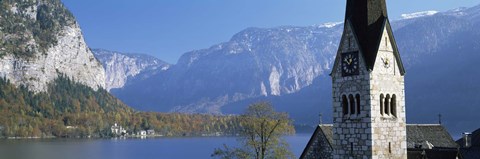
142 133
151 132
118 130
470 145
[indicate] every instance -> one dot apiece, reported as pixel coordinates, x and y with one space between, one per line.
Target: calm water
154 148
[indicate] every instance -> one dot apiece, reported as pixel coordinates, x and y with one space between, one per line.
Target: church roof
368 18
417 134
435 134
317 149
327 131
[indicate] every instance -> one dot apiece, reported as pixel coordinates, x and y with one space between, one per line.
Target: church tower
368 87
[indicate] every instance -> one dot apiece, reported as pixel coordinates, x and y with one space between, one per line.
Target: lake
149 148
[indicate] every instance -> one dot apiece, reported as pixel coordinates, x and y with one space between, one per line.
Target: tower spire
366 11
368 19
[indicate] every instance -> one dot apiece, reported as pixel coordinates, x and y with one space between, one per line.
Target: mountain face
254 63
40 40
289 66
122 68
443 77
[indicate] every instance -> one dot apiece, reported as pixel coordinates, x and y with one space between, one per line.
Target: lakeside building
118 130
142 133
151 132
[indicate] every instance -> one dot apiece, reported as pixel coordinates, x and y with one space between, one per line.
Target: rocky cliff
256 62
123 68
40 40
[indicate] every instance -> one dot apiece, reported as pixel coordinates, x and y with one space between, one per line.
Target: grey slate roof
368 18
476 138
316 148
436 134
327 131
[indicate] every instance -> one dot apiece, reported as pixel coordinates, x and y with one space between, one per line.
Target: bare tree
262 134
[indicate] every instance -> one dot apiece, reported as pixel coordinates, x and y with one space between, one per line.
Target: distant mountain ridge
122 68
290 65
254 63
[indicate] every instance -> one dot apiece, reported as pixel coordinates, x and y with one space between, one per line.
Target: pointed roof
368 18
435 134
315 147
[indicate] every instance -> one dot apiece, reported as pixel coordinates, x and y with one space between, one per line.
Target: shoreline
115 138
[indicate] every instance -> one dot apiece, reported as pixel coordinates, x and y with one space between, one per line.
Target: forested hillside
70 109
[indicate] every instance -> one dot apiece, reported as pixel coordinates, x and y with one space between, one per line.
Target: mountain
289 66
51 85
254 63
443 78
41 40
123 68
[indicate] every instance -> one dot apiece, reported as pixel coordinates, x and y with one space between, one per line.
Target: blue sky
168 28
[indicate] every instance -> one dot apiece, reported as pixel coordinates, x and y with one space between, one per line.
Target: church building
368 93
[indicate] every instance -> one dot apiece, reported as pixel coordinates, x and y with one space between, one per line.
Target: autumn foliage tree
70 109
261 135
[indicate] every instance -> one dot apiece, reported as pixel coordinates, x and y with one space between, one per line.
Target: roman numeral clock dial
350 63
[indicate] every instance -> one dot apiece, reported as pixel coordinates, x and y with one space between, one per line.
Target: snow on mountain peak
419 14
329 24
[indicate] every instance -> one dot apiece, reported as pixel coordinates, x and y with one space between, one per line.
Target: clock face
350 63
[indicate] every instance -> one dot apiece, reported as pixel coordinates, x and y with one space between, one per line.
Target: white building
118 130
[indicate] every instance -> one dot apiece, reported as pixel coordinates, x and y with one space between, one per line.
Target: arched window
345 105
393 105
352 104
357 98
386 104
381 103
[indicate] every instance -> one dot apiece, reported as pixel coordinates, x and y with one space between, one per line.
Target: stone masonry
372 133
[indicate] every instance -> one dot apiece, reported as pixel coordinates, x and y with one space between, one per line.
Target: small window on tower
381 103
393 105
349 42
389 147
357 97
386 104
352 104
386 41
351 146
345 105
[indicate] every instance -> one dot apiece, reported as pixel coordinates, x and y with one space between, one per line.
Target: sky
168 28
